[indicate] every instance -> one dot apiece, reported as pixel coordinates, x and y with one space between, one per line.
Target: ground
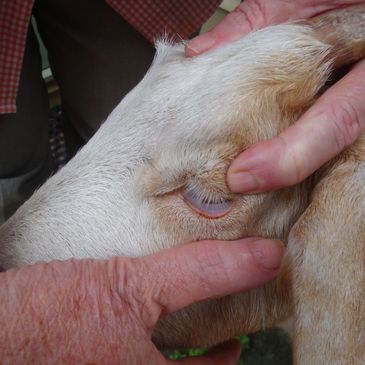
271 347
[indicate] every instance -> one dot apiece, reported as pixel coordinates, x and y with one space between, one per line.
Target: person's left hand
104 311
333 123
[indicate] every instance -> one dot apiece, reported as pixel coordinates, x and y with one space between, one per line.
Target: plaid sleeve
14 20
176 19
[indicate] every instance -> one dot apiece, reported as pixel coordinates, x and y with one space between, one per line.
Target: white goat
154 176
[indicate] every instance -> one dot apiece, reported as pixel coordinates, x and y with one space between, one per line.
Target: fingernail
201 43
243 182
268 253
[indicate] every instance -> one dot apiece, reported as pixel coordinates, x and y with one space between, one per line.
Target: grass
181 354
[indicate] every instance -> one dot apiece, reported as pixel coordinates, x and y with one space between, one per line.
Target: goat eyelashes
206 203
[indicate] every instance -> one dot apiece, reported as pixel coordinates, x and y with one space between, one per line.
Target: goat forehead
189 101
233 64
210 92
221 93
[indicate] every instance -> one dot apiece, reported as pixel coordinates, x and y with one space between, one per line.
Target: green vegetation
181 354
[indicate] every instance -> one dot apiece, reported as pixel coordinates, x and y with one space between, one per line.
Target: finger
333 123
227 353
249 16
243 19
256 14
180 276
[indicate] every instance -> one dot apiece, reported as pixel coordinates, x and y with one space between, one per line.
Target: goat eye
206 205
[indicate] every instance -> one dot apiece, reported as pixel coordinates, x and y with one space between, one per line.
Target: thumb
227 353
180 276
333 123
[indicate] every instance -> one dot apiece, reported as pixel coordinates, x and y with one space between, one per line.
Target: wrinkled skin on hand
334 122
104 311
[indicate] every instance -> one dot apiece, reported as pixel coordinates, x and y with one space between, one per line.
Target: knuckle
348 125
167 281
291 168
125 288
211 265
251 11
144 299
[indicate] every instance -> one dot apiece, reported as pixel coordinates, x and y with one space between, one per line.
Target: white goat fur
186 117
181 126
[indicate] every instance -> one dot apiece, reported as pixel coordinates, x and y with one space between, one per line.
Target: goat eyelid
205 204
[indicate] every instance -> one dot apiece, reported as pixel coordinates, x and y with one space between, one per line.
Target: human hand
334 122
104 311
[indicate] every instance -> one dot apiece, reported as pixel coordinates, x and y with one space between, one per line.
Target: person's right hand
104 311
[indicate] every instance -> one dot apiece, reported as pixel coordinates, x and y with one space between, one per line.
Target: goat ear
344 31
326 254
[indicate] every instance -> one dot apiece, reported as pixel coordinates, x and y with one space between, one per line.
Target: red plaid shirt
152 18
